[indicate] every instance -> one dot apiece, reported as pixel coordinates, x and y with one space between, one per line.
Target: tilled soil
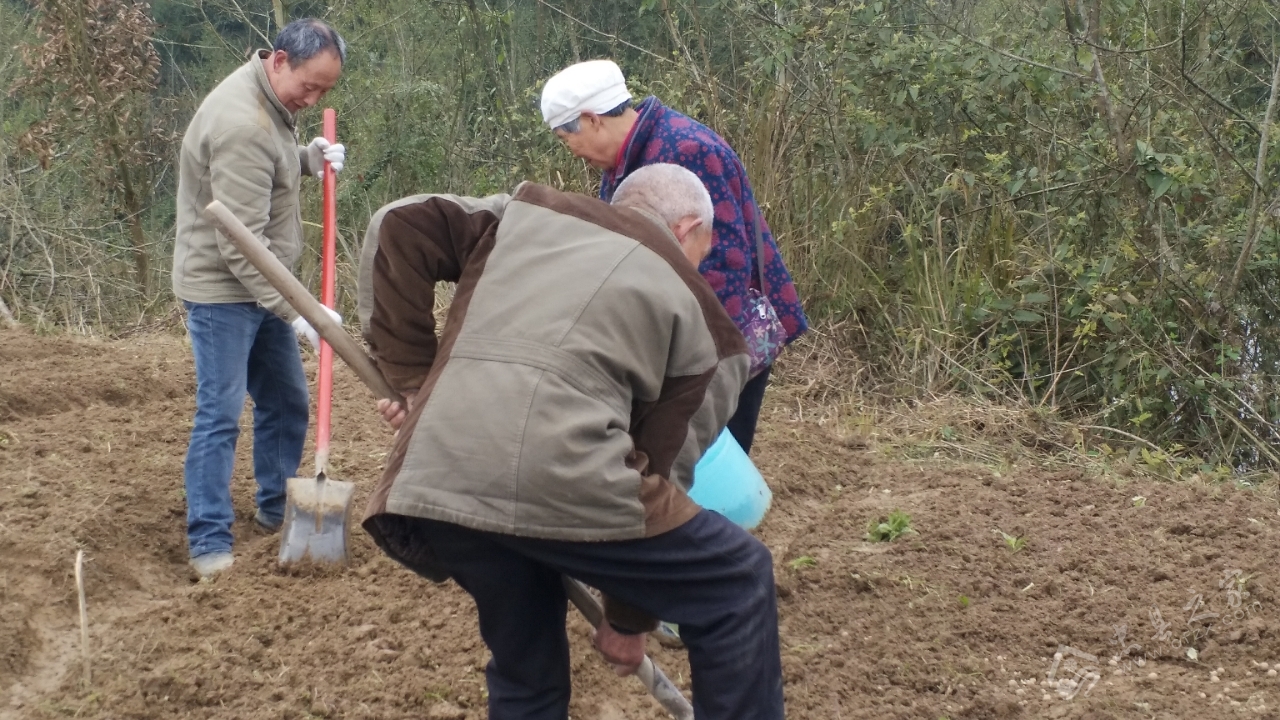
1024 593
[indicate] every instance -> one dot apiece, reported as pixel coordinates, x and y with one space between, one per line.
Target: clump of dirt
1025 593
1022 593
45 374
89 433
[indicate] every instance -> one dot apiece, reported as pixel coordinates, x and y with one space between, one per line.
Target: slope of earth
1022 594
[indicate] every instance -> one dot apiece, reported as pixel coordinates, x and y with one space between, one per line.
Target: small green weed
1013 542
1139 501
804 561
889 529
1240 579
964 601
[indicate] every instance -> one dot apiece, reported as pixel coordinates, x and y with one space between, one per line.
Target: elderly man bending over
553 428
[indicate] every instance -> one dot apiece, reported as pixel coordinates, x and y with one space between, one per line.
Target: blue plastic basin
726 481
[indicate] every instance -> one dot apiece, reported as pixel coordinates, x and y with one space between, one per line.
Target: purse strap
759 220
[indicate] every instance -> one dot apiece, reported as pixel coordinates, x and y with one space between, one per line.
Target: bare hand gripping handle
663 690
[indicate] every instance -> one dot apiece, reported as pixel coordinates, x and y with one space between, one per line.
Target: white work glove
304 329
321 150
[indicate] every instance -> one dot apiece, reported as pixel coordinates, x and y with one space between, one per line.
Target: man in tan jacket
241 148
553 429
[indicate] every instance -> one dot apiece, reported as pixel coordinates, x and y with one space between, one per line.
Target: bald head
668 191
679 198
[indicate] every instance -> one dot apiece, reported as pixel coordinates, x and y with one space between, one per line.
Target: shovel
317 509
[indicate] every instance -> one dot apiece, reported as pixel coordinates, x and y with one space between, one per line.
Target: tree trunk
572 29
1092 32
1251 236
111 135
281 10
137 239
1088 33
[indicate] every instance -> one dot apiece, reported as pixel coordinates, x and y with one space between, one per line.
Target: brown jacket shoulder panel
409 248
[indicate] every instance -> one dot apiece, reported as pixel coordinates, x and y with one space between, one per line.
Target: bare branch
602 33
1182 69
1251 236
1019 58
1138 51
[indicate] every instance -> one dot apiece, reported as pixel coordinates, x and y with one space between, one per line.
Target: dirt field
1158 599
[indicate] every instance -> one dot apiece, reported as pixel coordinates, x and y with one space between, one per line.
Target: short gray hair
303 39
669 191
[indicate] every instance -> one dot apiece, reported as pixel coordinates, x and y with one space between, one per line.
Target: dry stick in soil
84 615
662 689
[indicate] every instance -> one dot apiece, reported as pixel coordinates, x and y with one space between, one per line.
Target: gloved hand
321 150
304 329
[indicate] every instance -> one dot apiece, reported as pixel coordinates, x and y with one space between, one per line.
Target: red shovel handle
324 400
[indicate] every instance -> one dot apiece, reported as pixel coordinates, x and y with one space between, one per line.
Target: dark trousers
709 576
742 426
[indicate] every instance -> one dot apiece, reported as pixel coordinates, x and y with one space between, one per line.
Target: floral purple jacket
662 135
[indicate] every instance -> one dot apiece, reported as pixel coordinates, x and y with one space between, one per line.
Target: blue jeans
710 576
239 348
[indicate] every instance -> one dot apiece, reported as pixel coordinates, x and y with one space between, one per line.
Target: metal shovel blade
316 517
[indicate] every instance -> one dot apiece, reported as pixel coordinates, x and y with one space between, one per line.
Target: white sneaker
210 564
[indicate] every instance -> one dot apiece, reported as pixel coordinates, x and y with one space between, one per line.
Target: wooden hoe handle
293 291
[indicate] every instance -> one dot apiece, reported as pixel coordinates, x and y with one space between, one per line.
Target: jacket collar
264 84
633 149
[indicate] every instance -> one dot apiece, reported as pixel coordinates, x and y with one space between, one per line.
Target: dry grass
819 381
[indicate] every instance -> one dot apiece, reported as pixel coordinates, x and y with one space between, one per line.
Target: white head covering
594 86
